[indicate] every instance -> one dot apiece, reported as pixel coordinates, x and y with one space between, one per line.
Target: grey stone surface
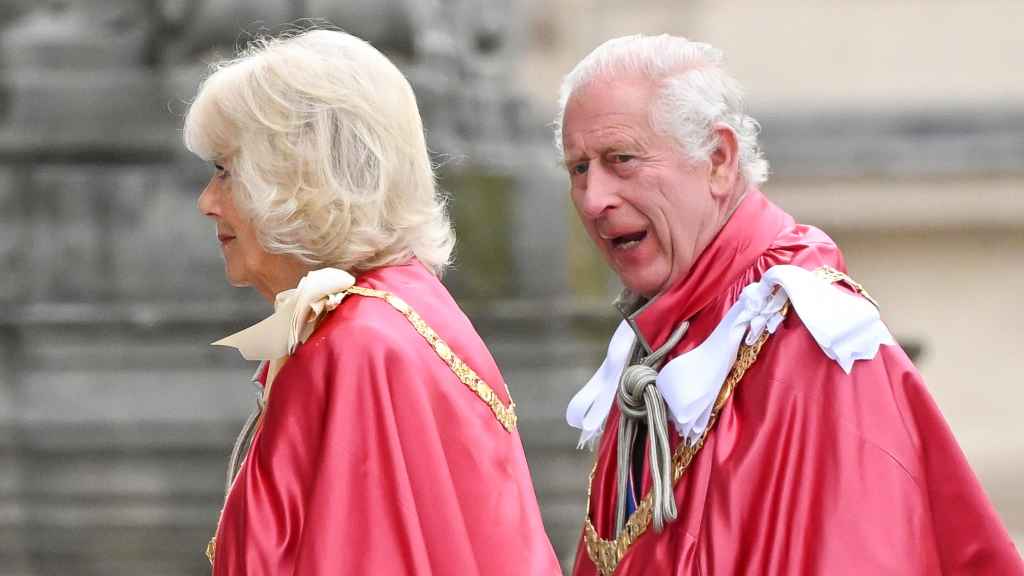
115 415
895 143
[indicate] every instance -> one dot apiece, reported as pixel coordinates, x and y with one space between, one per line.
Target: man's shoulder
875 402
807 247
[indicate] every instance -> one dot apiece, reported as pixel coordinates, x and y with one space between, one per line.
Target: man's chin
646 277
647 289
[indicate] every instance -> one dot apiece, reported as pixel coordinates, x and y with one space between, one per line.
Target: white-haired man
753 415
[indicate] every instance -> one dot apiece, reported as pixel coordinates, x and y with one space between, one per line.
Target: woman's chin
236 279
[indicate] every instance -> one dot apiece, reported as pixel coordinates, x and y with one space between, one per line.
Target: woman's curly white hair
324 142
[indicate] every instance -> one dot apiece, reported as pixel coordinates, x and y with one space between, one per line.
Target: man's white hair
694 95
326 150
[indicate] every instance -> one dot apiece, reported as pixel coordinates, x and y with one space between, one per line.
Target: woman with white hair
384 438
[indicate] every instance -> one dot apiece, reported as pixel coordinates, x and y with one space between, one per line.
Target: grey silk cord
639 400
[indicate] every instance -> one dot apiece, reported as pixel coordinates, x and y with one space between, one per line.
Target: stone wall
116 417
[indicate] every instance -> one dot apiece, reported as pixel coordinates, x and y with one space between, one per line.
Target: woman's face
246 262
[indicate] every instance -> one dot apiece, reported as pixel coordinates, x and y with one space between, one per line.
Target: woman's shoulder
396 334
360 322
386 308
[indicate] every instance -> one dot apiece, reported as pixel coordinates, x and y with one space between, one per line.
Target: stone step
103 550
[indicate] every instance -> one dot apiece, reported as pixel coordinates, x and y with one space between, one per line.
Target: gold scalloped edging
506 415
606 554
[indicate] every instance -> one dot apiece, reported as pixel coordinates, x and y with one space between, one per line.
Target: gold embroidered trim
830 274
606 554
506 415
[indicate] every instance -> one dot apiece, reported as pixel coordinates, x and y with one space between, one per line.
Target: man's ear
725 162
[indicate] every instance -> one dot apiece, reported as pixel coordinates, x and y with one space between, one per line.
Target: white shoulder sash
846 327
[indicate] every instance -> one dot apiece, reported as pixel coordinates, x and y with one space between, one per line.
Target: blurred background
897 127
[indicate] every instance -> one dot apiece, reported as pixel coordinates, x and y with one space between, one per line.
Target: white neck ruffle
847 328
296 312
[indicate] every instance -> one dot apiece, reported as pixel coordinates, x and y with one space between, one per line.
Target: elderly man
753 415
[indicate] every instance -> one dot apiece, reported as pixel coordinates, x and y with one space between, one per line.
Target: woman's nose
207 202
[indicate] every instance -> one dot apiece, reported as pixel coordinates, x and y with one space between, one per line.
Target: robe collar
749 232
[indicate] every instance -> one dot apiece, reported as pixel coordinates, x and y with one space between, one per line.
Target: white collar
846 327
295 314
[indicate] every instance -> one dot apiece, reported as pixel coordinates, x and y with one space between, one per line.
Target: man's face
647 208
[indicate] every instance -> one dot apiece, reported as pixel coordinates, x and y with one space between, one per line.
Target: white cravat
589 407
296 312
846 327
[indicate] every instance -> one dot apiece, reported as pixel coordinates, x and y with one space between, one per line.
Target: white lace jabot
846 327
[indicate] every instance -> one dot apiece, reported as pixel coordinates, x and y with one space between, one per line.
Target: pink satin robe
374 458
809 470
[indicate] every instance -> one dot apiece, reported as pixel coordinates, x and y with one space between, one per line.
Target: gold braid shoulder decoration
606 554
506 415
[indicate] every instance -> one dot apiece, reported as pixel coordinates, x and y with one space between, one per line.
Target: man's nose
599 193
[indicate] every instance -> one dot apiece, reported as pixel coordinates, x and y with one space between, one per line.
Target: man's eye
622 158
580 168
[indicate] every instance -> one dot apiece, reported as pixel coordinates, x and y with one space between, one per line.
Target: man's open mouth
627 241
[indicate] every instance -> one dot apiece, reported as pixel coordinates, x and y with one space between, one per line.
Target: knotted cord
640 402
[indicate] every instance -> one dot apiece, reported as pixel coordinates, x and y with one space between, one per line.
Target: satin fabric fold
810 469
374 458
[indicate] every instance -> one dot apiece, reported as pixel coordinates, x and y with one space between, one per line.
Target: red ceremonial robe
374 458
808 470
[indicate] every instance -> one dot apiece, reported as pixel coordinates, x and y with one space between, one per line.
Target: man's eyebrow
619 143
571 159
614 144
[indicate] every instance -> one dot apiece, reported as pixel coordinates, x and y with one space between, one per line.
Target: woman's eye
222 172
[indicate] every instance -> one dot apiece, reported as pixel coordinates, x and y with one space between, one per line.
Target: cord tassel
640 401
